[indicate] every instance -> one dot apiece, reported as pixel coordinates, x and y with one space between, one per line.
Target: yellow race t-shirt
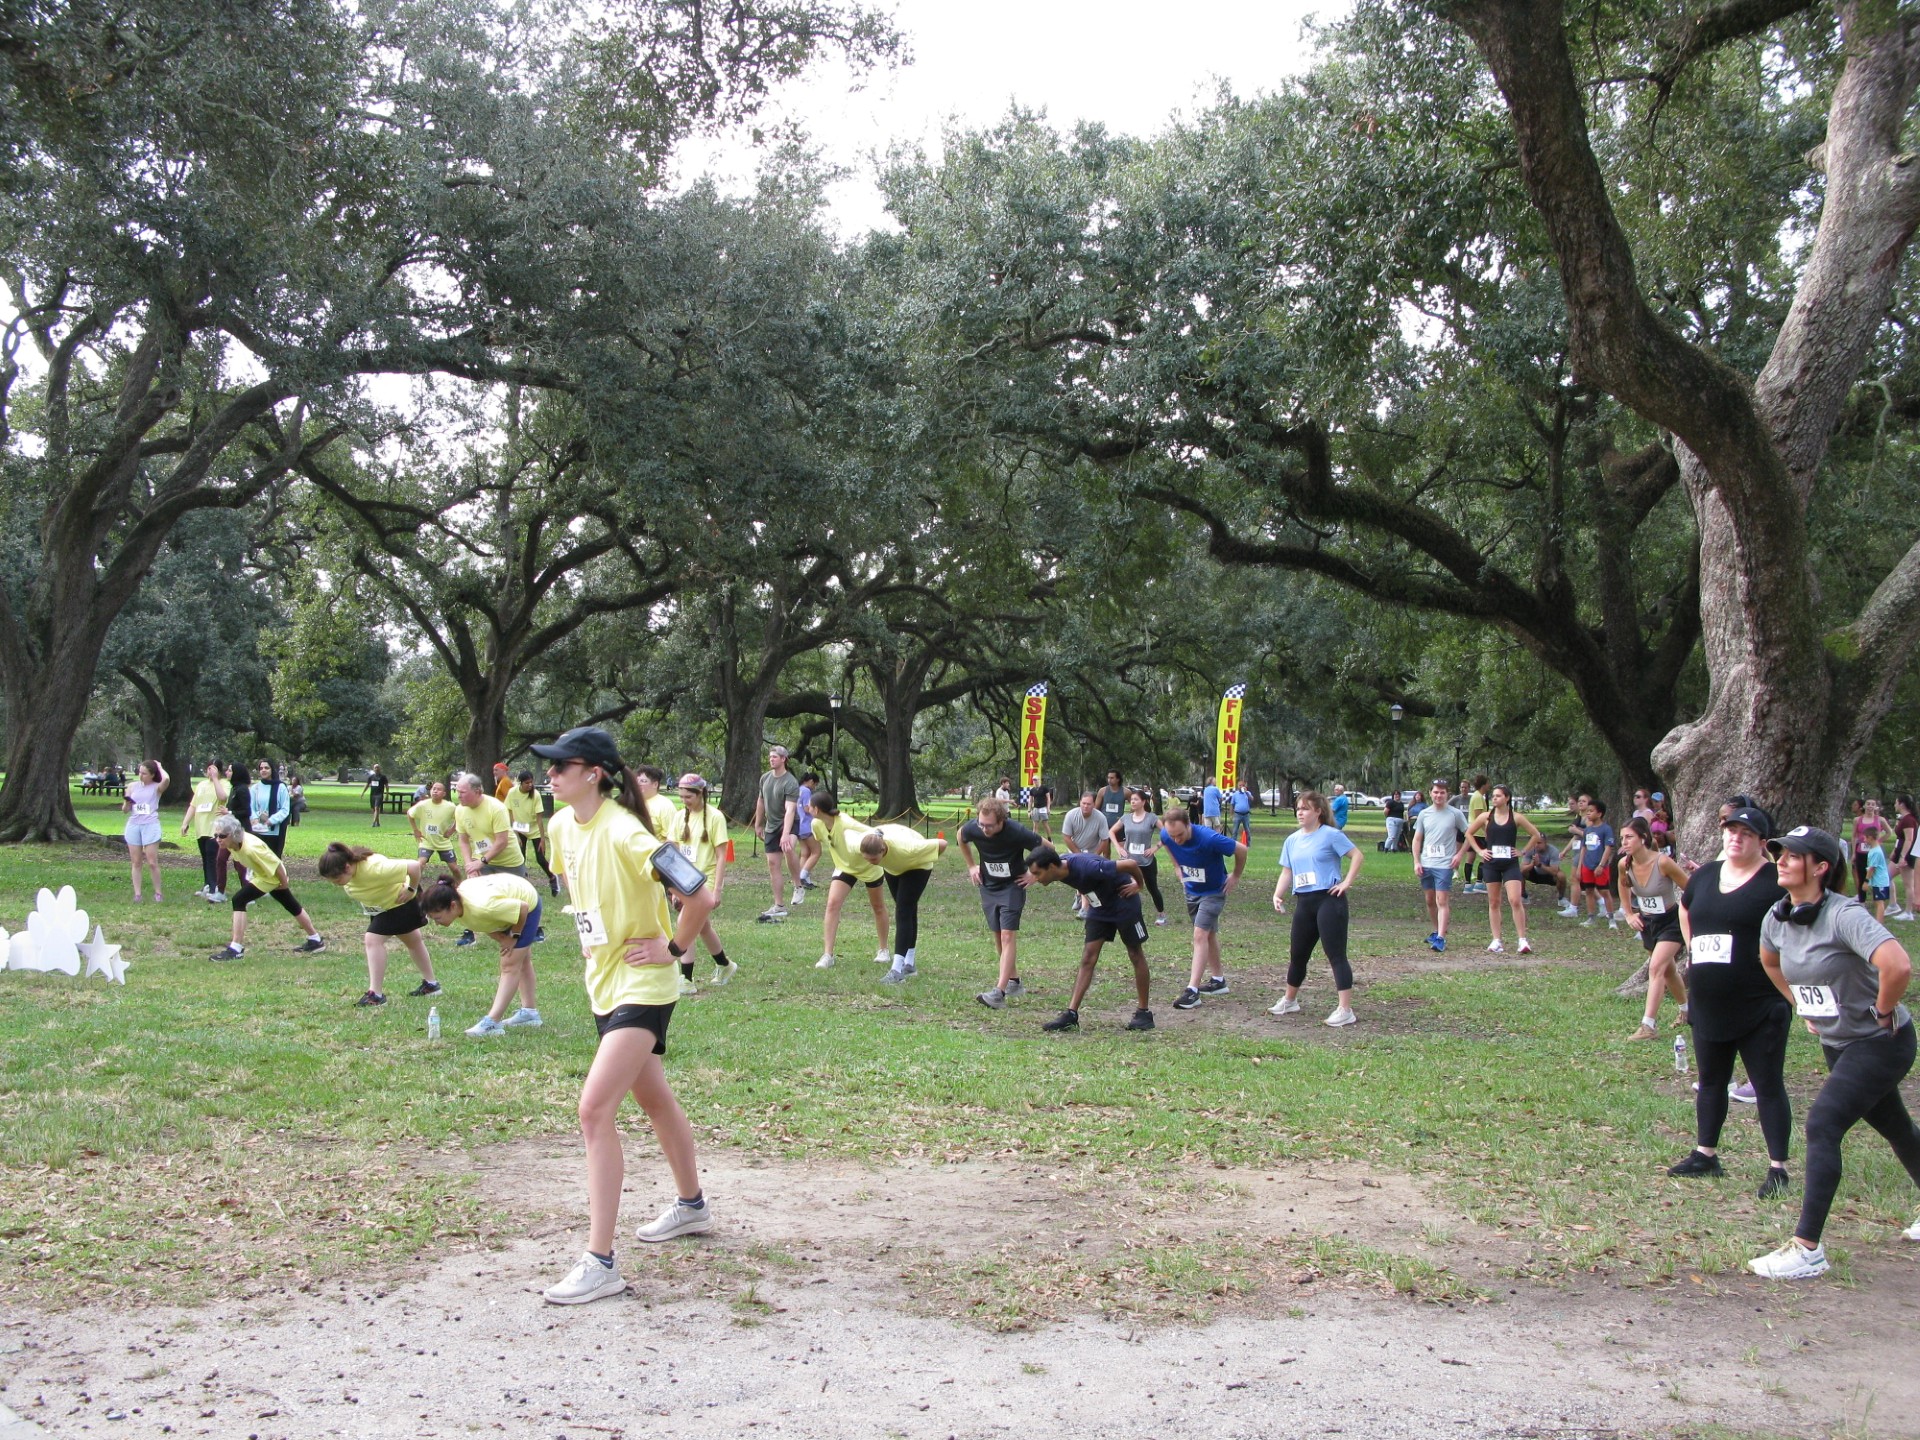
378 882
480 823
523 809
616 898
260 863
907 849
206 808
702 836
435 822
663 812
491 903
842 838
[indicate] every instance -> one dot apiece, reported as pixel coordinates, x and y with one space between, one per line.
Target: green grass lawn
212 1120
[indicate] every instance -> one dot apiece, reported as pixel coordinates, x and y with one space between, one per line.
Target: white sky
1125 63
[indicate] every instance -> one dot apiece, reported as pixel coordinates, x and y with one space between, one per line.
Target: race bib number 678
1712 950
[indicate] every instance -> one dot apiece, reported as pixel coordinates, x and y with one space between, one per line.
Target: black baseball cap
584 742
1753 817
1806 840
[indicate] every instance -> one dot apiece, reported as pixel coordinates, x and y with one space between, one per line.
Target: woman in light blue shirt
1310 867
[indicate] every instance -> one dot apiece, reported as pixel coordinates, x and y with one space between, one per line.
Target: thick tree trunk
899 797
486 737
46 708
740 770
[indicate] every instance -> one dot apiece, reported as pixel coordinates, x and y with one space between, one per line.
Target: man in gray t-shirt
1439 834
777 817
1086 832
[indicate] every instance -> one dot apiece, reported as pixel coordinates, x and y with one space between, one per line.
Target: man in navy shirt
1200 854
1113 888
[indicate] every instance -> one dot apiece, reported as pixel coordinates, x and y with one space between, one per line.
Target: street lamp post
1396 712
833 740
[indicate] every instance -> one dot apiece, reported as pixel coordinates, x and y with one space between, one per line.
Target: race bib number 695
593 930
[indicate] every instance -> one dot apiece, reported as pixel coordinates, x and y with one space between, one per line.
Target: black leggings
249 892
905 890
1150 878
210 866
1863 1083
1764 1049
539 848
1320 915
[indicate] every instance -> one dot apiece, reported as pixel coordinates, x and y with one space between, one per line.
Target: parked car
1368 802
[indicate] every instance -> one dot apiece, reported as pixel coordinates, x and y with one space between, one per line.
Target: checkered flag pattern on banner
1236 692
1036 691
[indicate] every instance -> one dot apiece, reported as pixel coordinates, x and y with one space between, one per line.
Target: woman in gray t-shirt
1845 974
1136 835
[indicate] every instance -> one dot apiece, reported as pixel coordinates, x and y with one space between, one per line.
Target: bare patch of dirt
825 1305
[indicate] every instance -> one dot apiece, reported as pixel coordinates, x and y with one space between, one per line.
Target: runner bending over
388 889
1113 887
507 908
261 873
907 857
842 838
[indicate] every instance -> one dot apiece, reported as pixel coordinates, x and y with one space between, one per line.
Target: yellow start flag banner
1227 743
1033 732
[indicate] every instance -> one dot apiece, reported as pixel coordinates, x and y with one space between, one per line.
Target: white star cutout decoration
104 959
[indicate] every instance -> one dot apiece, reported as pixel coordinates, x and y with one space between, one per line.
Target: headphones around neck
1792 914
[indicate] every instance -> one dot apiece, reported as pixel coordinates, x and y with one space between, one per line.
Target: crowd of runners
1742 942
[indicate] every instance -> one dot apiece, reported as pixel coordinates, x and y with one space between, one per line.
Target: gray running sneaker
1015 989
676 1219
896 976
523 1018
994 999
1214 985
589 1280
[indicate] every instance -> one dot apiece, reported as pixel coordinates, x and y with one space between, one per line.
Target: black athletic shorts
638 1017
1540 875
1655 928
402 919
848 880
1128 928
1498 872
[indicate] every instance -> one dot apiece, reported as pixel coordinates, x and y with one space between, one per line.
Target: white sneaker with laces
687 987
524 1019
825 962
1284 1006
883 957
589 1280
1569 911
676 1219
1526 948
1912 1232
1792 1261
1497 947
485 1028
1342 1016
799 895
723 973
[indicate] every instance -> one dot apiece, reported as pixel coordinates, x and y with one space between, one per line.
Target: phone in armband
677 870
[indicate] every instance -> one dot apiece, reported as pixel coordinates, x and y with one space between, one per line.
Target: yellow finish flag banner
1227 743
1033 733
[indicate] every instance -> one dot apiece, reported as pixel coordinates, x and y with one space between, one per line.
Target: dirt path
826 1306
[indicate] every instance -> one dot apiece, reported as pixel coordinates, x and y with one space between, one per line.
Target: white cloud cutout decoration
56 939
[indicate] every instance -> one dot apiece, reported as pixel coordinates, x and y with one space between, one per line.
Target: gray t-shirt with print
1085 831
1826 966
1440 829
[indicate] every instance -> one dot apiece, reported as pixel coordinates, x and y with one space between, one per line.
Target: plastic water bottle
1679 1054
433 1023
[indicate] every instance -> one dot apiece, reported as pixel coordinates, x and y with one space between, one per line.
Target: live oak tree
217 215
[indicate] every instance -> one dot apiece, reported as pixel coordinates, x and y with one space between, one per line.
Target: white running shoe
1284 1006
1525 948
1497 948
883 957
524 1019
687 987
589 1280
825 962
1161 918
772 915
1792 1261
1912 1232
1569 912
1342 1016
676 1219
798 896
723 973
486 1028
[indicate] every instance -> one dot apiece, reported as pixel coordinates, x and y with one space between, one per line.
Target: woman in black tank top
1495 838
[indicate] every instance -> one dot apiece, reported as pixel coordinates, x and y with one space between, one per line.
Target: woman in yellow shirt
388 889
261 873
432 820
700 832
209 804
614 864
908 858
841 837
507 908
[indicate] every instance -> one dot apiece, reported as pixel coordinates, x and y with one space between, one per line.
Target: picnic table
100 785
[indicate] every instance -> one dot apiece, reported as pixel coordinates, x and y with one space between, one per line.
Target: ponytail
336 859
624 792
441 896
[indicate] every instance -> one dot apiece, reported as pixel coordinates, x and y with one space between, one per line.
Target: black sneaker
1214 985
1065 1020
553 884
1697 1163
309 945
1142 1020
227 952
372 997
425 987
466 938
1189 999
1778 1182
